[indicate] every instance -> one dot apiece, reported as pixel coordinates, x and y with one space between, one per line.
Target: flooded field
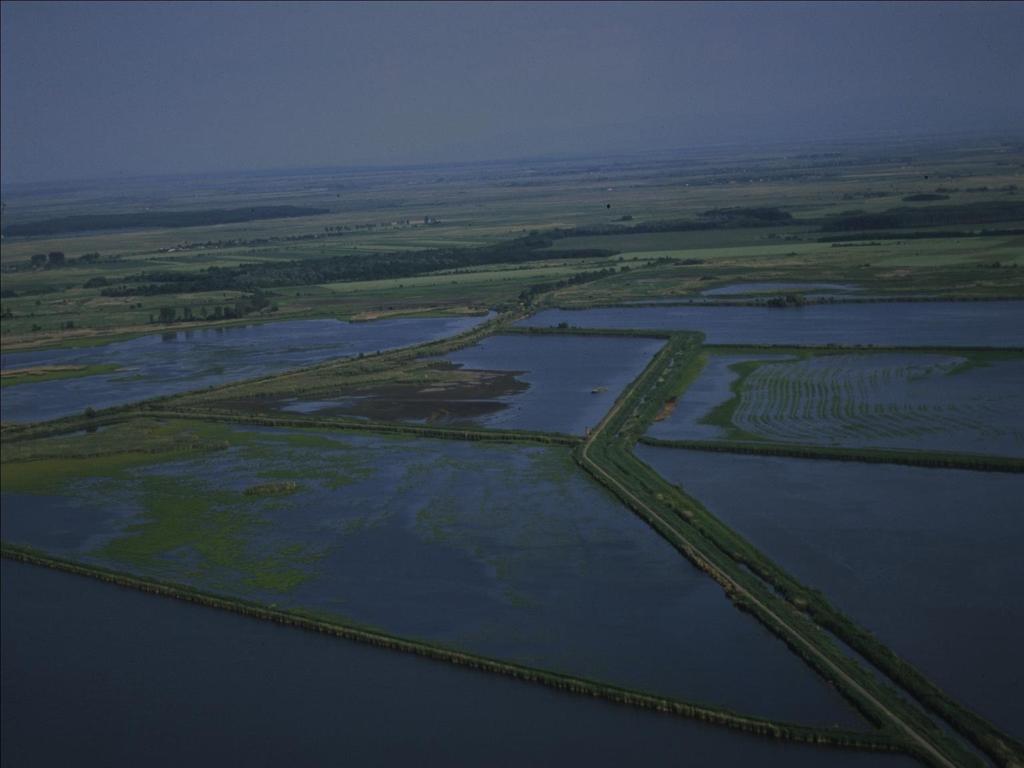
889 400
925 323
91 667
927 559
573 380
164 364
507 551
542 383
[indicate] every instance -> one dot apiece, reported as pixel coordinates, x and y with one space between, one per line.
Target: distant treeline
66 224
932 216
717 218
953 234
352 267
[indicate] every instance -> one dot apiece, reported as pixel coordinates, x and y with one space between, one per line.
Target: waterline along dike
178 361
505 551
926 323
246 691
926 559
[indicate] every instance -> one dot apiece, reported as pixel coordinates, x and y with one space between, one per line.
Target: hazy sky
96 89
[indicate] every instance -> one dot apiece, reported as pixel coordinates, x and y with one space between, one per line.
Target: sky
104 90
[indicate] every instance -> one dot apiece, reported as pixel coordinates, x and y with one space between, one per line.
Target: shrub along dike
980 463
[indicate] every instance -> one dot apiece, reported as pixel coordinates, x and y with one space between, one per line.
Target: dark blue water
938 323
506 551
96 674
927 559
563 373
165 364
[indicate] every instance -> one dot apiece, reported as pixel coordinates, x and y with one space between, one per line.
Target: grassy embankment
777 596
38 373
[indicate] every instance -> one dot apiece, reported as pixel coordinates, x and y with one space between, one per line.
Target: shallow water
97 673
931 323
896 400
927 559
169 363
574 380
740 289
709 389
507 551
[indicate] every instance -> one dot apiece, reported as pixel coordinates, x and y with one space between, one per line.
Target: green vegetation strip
755 584
577 685
981 463
345 425
573 330
37 374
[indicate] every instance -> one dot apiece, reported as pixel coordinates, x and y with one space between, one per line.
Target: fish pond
964 403
179 361
507 551
91 669
924 323
926 559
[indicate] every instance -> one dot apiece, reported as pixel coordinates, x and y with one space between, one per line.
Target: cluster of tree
527 296
838 239
789 300
717 218
739 217
242 307
353 267
56 260
925 197
82 223
933 216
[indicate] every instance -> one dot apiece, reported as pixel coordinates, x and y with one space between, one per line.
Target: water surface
927 559
574 380
179 361
925 323
100 674
741 289
507 551
899 400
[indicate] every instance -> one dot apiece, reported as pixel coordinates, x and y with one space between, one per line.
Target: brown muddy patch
464 394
